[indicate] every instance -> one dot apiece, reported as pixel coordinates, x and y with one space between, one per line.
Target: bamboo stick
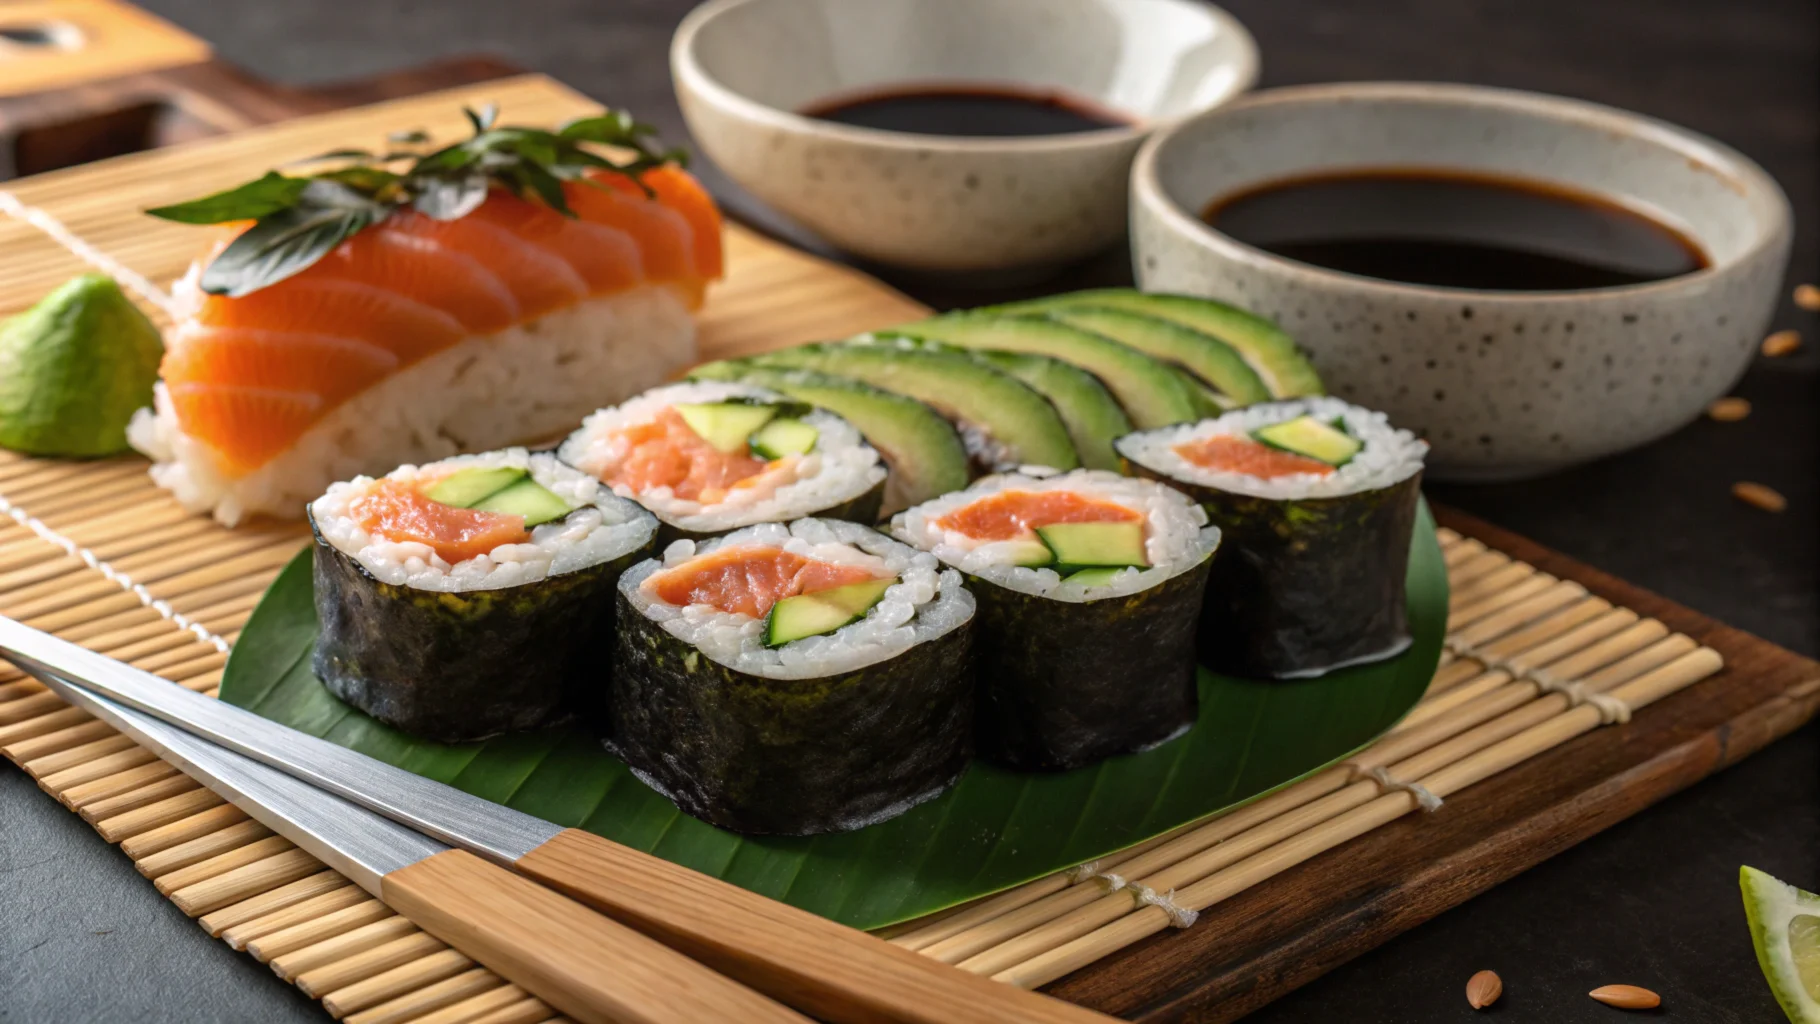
477 1007
368 963
86 794
316 929
1638 692
19 709
296 915
202 848
37 747
42 725
72 757
245 881
164 812
413 1006
100 768
396 982
531 1011
179 832
133 799
220 864
339 946
263 904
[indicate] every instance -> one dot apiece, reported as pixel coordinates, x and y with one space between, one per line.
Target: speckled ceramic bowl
937 202
1503 384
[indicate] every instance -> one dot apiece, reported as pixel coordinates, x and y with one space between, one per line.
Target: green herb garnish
300 219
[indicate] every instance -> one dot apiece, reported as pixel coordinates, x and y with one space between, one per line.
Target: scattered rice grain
1807 296
1766 498
1781 343
1728 410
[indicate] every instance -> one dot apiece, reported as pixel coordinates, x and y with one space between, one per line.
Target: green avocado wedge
1208 358
924 452
1153 394
1093 417
1004 422
1271 352
74 369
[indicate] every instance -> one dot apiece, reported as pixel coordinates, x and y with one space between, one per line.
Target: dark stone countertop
1653 901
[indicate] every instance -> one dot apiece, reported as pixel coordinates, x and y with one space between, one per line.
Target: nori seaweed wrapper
465 666
861 509
1064 684
790 756
1303 587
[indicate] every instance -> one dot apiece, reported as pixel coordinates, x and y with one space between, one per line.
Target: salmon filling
400 513
747 580
1228 454
1009 515
665 452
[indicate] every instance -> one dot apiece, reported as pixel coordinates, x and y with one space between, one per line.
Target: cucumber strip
1095 545
726 425
1311 438
464 487
526 498
782 437
1094 577
807 615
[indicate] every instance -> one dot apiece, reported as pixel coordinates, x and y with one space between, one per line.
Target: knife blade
823 968
547 944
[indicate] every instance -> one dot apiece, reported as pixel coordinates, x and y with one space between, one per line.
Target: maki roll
709 457
793 679
1318 502
1089 586
471 596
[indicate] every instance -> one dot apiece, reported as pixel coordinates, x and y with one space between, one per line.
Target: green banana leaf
994 830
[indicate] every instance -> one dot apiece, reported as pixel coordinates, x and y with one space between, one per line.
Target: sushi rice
602 526
1177 536
926 603
841 467
1390 454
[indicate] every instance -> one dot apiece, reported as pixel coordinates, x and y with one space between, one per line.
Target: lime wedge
1785 928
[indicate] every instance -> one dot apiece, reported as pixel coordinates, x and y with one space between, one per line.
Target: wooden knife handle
825 969
589 967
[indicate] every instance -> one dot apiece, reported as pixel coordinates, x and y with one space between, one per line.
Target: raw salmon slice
412 287
665 452
1228 454
1009 515
748 580
398 512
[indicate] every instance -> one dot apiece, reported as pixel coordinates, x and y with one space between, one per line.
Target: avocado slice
824 611
784 436
725 425
925 454
1015 426
526 498
1094 545
1311 438
1270 351
1206 357
464 487
1093 417
1154 395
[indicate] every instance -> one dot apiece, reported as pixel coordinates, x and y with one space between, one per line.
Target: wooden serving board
1259 944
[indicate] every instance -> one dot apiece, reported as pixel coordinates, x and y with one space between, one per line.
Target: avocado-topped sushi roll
793 679
1089 586
710 456
1318 501
471 596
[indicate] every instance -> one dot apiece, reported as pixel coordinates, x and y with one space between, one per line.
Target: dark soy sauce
978 110
1456 230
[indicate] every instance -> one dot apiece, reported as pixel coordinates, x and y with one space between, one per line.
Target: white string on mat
60 233
112 575
1612 710
1425 798
1179 916
1081 872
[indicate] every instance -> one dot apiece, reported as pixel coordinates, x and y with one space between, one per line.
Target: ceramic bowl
1503 384
937 202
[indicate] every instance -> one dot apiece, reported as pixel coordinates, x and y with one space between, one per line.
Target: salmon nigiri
495 291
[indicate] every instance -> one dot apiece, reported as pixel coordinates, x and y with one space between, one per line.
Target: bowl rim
688 72
1751 180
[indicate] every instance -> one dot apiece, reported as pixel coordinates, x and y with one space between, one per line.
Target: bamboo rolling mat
94 552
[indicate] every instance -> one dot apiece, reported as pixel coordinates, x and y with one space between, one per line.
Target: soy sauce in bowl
1456 229
990 111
